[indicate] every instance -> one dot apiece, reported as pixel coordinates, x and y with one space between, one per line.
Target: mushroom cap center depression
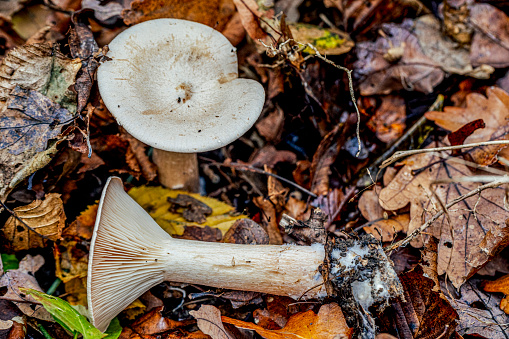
173 84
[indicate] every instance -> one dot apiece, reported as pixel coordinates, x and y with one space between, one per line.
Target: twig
22 222
350 86
403 154
428 223
242 167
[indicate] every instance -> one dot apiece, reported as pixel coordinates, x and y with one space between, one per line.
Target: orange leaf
328 323
499 285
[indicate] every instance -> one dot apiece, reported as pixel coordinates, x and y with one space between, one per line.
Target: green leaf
9 262
114 329
65 315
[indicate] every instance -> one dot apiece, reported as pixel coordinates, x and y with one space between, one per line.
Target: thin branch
403 154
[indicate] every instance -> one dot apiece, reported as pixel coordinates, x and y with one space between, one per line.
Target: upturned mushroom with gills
130 253
173 84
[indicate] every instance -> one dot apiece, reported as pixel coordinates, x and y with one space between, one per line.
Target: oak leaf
46 217
493 109
328 323
473 231
209 321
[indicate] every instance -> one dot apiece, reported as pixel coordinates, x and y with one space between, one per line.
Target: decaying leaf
29 120
83 225
250 17
323 158
155 201
328 323
41 68
24 277
473 230
412 56
490 44
209 321
424 314
71 261
246 231
479 314
493 109
214 13
46 217
192 209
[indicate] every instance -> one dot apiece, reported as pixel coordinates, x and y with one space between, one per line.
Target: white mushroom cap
173 84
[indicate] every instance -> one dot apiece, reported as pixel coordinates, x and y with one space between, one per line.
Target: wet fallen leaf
271 126
328 323
306 232
214 13
269 156
269 219
493 109
201 233
323 158
154 322
46 217
389 120
424 313
209 321
479 314
24 277
382 226
473 231
154 200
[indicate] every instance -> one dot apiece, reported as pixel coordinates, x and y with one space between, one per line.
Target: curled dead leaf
46 217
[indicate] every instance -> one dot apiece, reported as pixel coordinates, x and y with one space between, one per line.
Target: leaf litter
296 178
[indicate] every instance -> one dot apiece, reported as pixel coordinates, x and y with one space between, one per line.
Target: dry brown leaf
250 17
479 314
24 277
209 321
327 324
323 159
269 156
46 217
412 56
474 229
389 120
492 109
382 226
490 44
83 225
271 126
71 261
246 231
425 314
213 13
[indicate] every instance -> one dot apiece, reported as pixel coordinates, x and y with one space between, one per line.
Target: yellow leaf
155 201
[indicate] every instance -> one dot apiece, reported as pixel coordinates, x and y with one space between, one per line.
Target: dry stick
242 167
22 222
428 223
403 154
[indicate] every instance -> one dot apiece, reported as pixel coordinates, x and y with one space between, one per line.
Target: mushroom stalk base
177 170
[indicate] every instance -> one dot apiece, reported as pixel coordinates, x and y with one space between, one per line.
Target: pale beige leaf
209 322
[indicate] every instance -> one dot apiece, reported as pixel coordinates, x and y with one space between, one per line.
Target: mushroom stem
130 253
177 170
